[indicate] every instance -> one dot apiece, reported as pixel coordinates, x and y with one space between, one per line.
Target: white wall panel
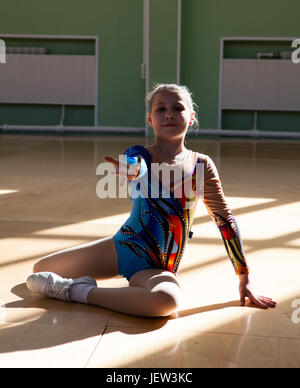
48 79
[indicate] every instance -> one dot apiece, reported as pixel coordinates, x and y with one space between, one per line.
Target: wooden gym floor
48 202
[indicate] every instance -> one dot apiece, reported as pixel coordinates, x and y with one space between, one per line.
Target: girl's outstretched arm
219 210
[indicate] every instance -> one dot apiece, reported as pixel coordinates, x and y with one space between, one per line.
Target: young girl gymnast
148 248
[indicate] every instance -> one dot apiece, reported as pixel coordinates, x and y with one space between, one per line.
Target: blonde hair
158 88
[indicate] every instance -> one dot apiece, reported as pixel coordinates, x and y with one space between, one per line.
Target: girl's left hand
260 301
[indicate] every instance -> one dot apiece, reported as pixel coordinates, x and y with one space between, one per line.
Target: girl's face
170 115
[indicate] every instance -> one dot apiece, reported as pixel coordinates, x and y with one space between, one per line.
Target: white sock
79 292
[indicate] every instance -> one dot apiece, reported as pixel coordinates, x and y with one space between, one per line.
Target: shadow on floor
54 322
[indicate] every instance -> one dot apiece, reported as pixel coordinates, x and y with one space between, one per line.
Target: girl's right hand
121 169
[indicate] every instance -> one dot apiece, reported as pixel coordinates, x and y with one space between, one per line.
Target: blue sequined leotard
156 233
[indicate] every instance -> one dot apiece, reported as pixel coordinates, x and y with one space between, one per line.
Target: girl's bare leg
151 293
97 259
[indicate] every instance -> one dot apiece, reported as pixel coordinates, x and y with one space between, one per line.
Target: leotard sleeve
217 207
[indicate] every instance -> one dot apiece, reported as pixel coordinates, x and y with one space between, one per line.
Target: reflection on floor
48 202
